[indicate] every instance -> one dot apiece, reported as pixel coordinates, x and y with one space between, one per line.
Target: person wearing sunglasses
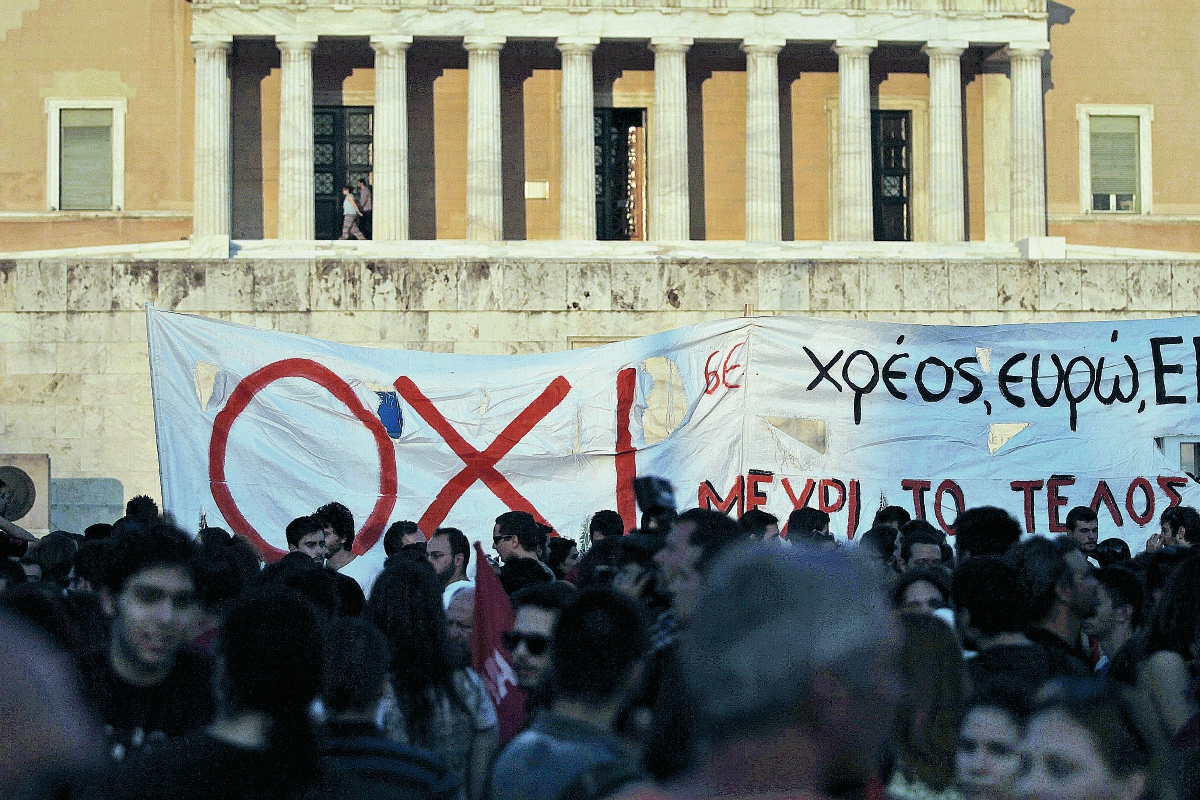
537 611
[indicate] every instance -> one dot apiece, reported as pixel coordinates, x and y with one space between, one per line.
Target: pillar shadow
696 76
514 71
252 60
788 74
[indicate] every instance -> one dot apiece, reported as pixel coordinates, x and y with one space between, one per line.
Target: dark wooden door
620 171
891 149
343 153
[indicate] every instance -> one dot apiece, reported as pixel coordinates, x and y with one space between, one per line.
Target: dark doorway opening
620 173
891 168
343 154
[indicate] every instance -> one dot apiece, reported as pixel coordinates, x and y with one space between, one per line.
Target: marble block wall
74 376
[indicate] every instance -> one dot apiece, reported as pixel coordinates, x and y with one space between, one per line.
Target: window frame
1145 114
54 108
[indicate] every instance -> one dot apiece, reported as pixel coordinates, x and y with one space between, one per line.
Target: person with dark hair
925 730
517 534
599 565
53 554
438 706
100 530
605 524
338 527
637 574
449 553
519 541
356 663
1079 745
880 543
1164 695
697 537
307 535
984 531
143 509
297 572
991 616
922 590
562 557
1118 615
893 517
404 540
989 743
537 609
1179 526
572 750
226 568
1112 552
262 743
11 574
148 684
1063 592
920 545
809 526
1083 526
760 526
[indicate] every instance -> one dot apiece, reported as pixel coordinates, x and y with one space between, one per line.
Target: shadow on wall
76 503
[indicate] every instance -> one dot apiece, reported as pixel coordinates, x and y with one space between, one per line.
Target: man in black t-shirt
148 684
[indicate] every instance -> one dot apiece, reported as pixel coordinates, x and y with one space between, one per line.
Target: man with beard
450 553
1084 527
1062 592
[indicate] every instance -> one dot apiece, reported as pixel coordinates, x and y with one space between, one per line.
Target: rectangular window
1115 158
1115 164
86 159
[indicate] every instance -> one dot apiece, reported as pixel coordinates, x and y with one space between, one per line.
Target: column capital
940 47
213 41
670 44
855 47
295 43
577 44
391 43
483 44
763 46
1026 49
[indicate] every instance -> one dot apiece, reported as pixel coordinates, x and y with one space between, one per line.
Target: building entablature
892 21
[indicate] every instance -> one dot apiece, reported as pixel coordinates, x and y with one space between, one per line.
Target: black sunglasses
535 643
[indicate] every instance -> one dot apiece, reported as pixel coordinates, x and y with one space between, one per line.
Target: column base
1036 248
209 246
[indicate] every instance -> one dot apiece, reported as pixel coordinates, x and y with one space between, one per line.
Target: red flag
489 657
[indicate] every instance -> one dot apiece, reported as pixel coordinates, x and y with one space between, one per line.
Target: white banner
257 427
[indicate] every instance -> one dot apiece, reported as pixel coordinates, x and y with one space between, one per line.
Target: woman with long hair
263 742
925 730
437 707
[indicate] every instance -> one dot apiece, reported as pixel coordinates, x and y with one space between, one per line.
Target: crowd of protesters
695 656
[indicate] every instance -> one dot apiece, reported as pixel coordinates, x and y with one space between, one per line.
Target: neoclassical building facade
666 120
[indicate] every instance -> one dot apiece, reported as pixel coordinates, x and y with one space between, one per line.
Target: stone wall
74 375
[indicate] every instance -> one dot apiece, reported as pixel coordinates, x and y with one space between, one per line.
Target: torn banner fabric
257 427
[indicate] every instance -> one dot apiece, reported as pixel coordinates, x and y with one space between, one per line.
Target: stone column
577 210
947 207
211 197
485 189
669 209
856 215
1028 142
297 196
390 201
764 191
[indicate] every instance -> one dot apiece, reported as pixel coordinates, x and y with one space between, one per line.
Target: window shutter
1114 155
86 168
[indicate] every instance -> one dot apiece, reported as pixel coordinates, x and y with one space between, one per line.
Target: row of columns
668 185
